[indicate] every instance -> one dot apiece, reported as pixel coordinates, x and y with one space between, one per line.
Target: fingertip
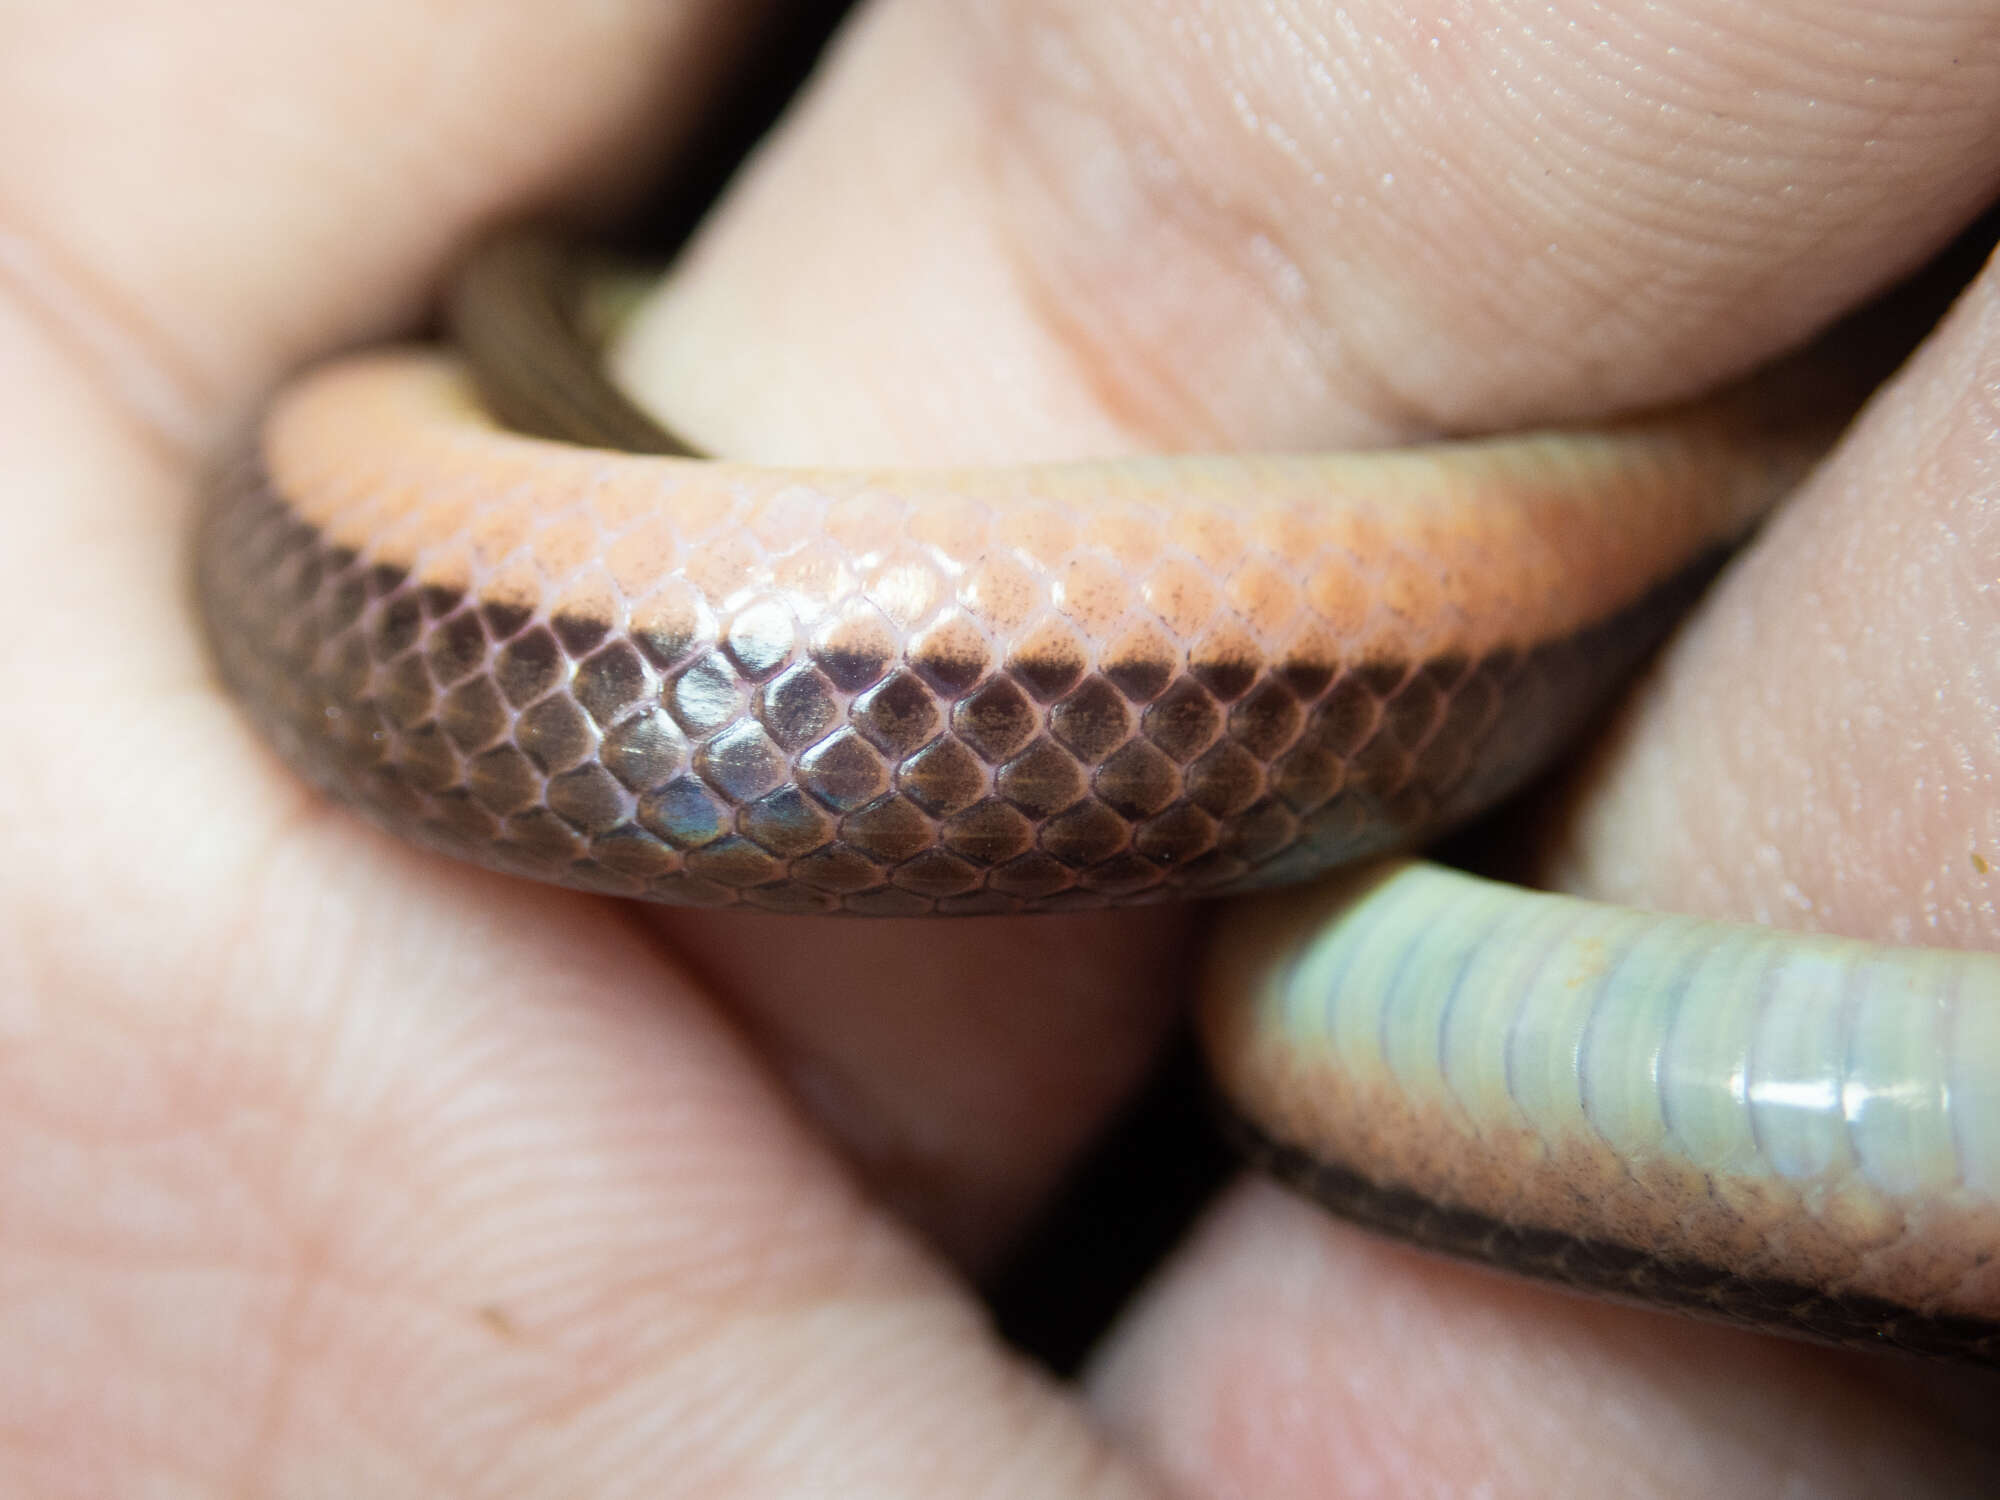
1816 749
853 300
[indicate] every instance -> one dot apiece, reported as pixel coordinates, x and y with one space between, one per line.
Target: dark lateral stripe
1626 1272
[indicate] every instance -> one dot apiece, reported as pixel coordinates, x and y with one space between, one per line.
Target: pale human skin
329 1169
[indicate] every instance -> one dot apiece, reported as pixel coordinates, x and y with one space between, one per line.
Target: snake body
488 602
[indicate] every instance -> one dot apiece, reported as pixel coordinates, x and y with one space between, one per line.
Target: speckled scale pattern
791 721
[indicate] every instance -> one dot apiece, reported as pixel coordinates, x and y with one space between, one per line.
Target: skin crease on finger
1188 226
1374 222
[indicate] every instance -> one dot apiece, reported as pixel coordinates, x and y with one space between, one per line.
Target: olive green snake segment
488 602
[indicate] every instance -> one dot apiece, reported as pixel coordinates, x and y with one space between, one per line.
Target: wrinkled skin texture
326 1167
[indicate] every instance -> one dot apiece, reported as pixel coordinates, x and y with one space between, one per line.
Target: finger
999 232
1818 749
961 1069
1288 1355
403 1193
159 232
1062 228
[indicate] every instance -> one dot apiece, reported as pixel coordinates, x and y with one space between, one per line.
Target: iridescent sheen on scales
818 718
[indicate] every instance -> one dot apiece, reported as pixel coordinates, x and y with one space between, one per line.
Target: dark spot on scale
996 721
851 668
504 621
891 830
943 778
612 681
457 647
843 771
396 627
645 750
798 707
1138 781
787 823
580 634
1047 674
1140 677
439 601
684 813
1226 675
529 666
951 672
555 734
1084 835
899 714
1184 720
1093 720
1308 679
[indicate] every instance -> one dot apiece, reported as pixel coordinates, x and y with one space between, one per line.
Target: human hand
331 1168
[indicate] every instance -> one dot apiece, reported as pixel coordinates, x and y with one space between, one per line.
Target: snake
476 593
